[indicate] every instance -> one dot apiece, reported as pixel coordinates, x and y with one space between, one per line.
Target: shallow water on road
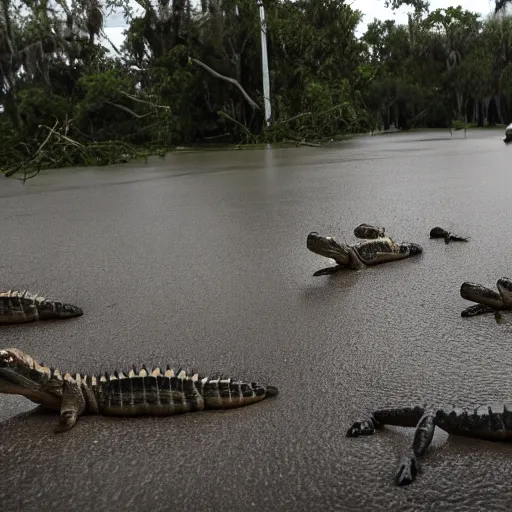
200 260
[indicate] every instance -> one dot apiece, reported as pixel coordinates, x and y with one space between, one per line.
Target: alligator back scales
157 393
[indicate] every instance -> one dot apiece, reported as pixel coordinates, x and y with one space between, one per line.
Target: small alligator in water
135 393
355 257
488 300
508 134
18 307
438 232
489 423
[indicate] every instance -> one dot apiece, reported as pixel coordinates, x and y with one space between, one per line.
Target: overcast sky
371 9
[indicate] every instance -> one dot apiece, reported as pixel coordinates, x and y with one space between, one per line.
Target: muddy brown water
200 260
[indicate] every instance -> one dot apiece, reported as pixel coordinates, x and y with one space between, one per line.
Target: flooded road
200 260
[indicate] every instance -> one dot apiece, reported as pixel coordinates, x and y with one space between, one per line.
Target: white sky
115 25
375 9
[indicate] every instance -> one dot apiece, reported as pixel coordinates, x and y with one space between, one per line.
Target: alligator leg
73 405
450 237
499 317
438 232
477 309
423 435
504 286
418 417
400 417
354 262
457 238
329 270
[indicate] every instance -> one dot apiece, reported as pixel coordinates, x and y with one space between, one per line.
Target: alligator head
328 247
482 295
20 374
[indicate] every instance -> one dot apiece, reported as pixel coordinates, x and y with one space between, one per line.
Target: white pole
264 64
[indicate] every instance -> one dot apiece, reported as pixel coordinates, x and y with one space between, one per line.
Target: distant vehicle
508 134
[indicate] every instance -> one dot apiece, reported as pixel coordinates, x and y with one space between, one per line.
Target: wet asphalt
199 260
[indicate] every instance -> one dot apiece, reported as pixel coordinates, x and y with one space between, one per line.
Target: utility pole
264 64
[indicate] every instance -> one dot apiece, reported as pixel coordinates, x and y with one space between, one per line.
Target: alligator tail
228 393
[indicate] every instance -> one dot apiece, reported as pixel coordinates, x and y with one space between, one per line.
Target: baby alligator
118 394
508 134
355 257
488 300
18 307
490 423
438 232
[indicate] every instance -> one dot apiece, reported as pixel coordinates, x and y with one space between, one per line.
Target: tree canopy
190 75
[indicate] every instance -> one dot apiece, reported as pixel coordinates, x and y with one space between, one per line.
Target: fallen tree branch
253 104
24 163
134 98
126 109
58 150
304 143
293 118
104 34
52 131
227 116
215 137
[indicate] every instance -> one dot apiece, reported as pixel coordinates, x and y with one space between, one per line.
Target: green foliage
37 107
97 92
188 75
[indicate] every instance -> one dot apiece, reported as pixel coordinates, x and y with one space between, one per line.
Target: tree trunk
11 109
486 109
480 114
498 109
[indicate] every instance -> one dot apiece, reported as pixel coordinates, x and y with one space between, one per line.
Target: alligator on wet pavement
355 257
18 307
134 393
489 423
488 301
438 232
508 134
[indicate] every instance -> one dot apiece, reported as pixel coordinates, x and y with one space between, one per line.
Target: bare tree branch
253 104
110 42
126 109
134 98
227 116
23 164
292 118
